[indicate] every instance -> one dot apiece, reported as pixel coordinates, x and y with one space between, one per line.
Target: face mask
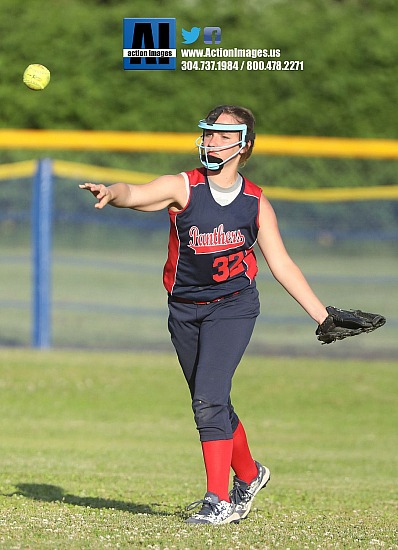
210 161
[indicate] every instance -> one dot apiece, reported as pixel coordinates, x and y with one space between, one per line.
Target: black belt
185 301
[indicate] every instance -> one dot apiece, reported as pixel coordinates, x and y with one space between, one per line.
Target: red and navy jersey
211 246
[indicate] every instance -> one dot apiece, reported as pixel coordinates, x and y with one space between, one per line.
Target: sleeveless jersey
210 251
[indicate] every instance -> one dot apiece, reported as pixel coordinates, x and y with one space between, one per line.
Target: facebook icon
149 44
208 35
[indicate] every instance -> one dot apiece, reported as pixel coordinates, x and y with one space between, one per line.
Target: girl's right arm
162 192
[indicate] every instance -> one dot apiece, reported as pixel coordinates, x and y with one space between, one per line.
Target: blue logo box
149 44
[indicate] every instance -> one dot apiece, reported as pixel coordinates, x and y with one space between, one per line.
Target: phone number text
241 65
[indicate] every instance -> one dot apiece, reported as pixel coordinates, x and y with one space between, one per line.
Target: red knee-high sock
242 461
217 456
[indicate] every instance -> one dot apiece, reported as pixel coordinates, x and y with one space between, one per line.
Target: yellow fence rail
98 174
90 140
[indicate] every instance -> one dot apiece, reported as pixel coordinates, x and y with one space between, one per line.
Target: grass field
99 450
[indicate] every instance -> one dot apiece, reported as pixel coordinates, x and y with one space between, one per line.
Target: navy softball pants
210 340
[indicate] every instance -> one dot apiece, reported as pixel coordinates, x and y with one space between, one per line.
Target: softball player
216 217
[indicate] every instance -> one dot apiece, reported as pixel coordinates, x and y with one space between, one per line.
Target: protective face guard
210 161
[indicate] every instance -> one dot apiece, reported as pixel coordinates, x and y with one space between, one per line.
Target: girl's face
222 143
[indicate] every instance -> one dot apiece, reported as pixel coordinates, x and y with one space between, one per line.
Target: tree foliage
348 87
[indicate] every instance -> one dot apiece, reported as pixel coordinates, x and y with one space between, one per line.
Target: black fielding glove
340 324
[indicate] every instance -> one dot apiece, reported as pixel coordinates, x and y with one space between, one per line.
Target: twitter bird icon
190 36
